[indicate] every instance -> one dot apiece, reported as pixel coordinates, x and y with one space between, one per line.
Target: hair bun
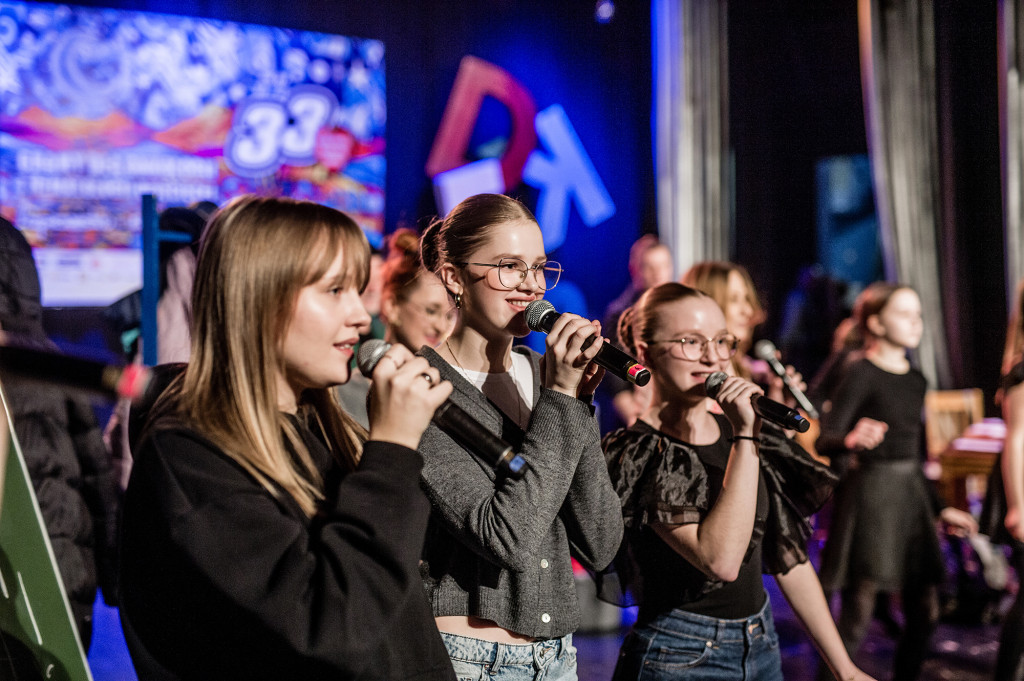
404 244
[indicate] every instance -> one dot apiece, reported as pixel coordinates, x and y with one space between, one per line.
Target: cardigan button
545 618
544 563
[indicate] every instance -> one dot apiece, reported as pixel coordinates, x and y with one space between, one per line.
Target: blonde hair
712 277
255 257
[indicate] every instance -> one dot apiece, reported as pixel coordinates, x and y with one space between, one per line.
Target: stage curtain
897 39
1011 136
691 128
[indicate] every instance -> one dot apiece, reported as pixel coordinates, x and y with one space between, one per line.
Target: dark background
795 98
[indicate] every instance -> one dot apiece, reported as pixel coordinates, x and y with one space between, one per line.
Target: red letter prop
475 80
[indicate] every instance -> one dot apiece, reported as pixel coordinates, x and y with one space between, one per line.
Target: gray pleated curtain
691 128
1011 105
898 70
897 39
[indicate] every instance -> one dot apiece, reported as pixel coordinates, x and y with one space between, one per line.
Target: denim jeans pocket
676 653
469 671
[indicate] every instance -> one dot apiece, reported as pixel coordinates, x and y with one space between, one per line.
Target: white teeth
519 303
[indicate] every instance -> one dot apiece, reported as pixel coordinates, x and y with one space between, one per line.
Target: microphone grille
764 349
535 312
370 353
713 383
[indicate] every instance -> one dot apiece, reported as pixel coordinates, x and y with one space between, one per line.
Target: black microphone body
765 349
455 422
769 410
111 380
541 316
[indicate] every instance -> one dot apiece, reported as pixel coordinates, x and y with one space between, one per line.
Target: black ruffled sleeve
661 480
657 480
797 487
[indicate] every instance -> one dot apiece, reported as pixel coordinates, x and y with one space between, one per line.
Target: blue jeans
553 659
682 645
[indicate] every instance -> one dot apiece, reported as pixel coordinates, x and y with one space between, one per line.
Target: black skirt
882 530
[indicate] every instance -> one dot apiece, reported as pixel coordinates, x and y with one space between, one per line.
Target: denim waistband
713 628
497 654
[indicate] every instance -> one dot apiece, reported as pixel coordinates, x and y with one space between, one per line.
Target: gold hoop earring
458 300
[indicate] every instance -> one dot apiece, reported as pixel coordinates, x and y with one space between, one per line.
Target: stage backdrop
591 80
98 107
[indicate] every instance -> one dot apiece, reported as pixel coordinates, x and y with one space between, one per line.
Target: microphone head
370 353
535 312
713 383
765 349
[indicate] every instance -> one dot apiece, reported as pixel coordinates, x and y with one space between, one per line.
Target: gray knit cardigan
499 548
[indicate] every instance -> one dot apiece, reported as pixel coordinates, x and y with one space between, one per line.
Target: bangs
339 233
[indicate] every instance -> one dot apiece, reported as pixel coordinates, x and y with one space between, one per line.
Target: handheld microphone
765 349
455 422
769 410
110 380
541 316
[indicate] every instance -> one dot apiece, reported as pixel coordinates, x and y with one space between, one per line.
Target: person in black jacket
71 470
266 534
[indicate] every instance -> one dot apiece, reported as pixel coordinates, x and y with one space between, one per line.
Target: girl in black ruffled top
709 501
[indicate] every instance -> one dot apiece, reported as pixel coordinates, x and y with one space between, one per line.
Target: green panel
38 639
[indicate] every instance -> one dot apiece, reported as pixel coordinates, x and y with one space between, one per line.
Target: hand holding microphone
765 349
449 417
541 316
407 391
769 410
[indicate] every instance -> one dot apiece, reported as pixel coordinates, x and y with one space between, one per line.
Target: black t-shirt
669 579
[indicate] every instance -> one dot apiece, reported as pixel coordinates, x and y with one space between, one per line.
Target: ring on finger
427 377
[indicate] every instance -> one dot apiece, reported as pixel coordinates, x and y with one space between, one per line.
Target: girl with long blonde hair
266 534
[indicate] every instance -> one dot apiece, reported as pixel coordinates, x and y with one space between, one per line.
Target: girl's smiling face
487 305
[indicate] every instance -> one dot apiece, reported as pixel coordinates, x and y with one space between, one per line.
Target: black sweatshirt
222 580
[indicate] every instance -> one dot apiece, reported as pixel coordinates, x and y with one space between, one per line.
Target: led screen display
98 107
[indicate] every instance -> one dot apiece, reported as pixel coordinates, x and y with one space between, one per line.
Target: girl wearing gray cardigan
497 558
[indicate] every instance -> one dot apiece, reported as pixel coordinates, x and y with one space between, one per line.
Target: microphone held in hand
541 316
110 380
455 422
769 410
765 349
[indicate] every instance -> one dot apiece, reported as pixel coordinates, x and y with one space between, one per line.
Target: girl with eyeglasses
496 563
414 308
414 304
709 501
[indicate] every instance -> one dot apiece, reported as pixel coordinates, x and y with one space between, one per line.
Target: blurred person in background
71 471
650 264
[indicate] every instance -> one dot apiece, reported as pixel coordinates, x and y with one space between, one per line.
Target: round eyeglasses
693 347
512 272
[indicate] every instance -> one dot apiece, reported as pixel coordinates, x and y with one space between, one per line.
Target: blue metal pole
152 236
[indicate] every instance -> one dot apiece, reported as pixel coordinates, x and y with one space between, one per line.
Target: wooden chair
947 413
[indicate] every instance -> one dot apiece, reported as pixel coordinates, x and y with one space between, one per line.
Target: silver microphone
765 349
